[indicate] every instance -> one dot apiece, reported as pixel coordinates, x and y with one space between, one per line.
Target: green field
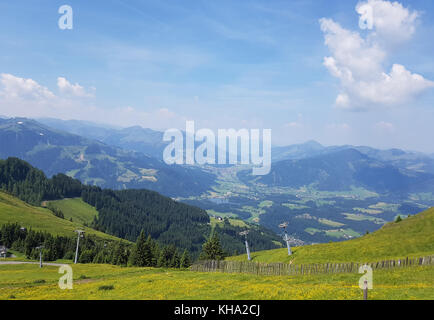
232 222
363 217
13 210
368 211
221 214
266 204
342 233
330 223
76 209
30 282
312 230
294 206
333 233
411 237
254 212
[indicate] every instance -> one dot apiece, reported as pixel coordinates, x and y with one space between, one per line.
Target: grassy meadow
13 210
112 282
76 209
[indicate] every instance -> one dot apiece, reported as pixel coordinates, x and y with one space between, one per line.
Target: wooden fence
284 269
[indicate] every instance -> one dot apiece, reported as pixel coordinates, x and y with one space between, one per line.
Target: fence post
365 291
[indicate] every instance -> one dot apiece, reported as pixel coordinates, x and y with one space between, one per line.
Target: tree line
146 252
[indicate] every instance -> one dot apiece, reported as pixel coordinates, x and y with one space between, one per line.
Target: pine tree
165 260
212 249
142 251
185 260
175 260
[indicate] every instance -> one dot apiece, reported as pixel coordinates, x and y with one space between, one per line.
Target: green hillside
76 209
122 213
13 210
411 237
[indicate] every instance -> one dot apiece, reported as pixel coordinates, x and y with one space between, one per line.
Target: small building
3 251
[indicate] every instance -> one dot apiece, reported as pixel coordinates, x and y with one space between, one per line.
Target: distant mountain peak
134 128
313 143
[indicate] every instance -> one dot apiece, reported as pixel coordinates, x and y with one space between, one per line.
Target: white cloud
358 62
20 97
353 57
27 98
76 90
385 126
13 87
391 21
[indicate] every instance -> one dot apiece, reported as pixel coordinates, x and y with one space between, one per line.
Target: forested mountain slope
124 213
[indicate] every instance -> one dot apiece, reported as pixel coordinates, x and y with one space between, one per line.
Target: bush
39 281
106 288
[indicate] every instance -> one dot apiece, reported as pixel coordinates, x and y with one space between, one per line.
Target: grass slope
411 237
76 209
13 210
233 222
31 282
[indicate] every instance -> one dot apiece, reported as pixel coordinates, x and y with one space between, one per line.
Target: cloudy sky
339 72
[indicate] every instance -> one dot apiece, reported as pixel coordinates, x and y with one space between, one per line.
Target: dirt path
28 262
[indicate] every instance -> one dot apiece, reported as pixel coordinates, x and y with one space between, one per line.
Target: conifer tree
185 260
142 251
212 249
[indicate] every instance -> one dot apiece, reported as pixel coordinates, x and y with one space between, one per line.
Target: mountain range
147 141
411 160
151 142
329 184
343 169
94 162
131 157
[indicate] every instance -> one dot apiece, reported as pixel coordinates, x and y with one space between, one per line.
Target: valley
325 193
314 215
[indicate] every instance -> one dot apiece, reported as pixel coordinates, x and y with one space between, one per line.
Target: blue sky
224 64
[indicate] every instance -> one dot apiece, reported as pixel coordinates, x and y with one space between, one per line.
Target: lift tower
286 238
80 235
245 233
40 254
